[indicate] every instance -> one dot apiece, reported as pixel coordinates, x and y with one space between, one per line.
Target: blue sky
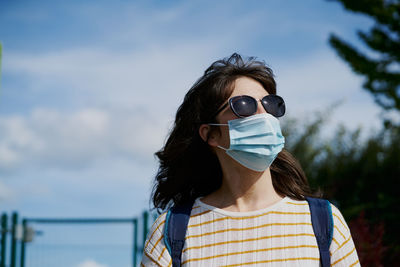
90 88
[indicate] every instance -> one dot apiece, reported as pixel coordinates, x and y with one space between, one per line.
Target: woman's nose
260 108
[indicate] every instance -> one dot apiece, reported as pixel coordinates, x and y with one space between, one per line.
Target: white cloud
16 139
6 193
90 263
315 82
160 56
49 138
119 102
136 120
95 103
102 77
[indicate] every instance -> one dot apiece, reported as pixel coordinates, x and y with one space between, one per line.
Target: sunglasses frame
230 102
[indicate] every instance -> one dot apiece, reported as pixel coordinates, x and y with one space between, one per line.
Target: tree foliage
356 174
363 175
381 72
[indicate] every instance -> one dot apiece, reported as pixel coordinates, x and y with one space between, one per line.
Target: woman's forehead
248 86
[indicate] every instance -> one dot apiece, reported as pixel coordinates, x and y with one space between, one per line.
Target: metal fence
72 242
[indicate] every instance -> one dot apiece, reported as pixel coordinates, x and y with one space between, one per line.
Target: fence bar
4 232
79 220
24 232
14 223
25 221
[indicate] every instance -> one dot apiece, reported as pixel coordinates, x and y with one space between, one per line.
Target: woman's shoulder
339 223
295 205
158 225
303 206
342 248
157 228
154 251
338 219
295 202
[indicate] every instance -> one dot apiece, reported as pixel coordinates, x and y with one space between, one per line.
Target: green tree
381 72
359 176
363 176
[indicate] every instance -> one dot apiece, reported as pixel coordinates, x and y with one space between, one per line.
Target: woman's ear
204 132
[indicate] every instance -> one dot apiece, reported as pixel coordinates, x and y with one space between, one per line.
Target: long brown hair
188 168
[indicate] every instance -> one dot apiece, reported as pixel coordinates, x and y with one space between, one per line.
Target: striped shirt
279 235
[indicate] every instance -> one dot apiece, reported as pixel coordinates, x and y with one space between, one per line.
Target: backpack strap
175 230
322 222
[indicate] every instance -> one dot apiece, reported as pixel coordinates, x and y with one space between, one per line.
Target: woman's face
242 86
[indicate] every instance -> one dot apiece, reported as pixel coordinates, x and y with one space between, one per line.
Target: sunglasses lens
274 105
243 106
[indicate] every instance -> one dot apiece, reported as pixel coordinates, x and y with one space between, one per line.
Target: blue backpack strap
175 231
322 222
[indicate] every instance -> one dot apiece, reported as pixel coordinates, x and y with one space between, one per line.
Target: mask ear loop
219 124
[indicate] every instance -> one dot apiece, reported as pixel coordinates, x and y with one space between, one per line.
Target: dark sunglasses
244 105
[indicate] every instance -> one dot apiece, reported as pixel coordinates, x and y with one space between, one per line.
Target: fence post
145 225
24 229
14 223
135 240
4 232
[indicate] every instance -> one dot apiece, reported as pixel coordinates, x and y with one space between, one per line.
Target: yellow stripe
249 217
158 217
274 260
357 261
339 232
347 240
301 204
147 243
334 240
170 263
158 241
160 226
249 251
343 257
159 238
344 226
242 229
162 252
207 222
148 256
200 213
246 240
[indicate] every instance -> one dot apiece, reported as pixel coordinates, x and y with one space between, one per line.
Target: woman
225 153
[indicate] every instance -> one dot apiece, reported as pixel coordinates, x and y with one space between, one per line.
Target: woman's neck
243 190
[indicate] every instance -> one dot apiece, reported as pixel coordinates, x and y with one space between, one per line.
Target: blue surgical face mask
255 141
